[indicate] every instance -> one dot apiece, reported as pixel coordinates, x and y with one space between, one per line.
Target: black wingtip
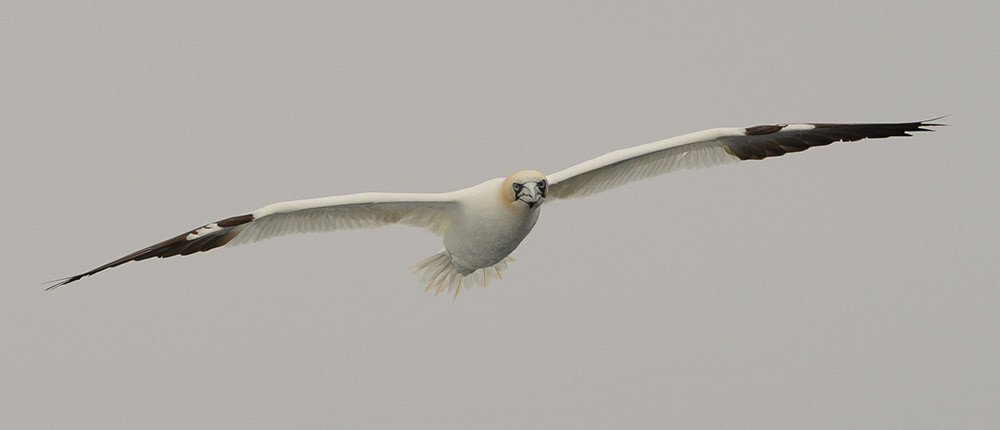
177 245
923 125
62 281
931 123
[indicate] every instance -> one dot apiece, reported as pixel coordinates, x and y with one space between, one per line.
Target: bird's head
525 188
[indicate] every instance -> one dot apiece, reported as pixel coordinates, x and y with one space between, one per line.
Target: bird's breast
486 230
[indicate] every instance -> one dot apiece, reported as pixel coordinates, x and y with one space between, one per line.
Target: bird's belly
482 241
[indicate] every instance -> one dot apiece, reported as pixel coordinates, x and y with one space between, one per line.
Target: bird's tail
440 273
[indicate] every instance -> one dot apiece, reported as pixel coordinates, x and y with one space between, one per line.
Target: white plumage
481 225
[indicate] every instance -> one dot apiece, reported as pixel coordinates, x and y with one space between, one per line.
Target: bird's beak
531 195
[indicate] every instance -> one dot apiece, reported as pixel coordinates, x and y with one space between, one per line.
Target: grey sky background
850 286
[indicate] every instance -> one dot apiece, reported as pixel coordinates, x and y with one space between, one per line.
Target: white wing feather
690 151
365 210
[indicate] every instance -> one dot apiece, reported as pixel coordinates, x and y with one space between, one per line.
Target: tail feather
441 275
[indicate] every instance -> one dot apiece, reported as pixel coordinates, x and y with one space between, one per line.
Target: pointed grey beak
530 194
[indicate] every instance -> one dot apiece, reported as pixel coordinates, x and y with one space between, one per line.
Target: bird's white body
481 225
485 228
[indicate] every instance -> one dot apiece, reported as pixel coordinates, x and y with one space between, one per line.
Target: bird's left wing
429 211
709 148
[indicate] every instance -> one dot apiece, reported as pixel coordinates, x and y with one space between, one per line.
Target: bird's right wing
709 148
365 210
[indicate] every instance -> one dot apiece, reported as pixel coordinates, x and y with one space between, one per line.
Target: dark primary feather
764 141
177 245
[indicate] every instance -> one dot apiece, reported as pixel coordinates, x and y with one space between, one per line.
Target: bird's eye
517 187
541 185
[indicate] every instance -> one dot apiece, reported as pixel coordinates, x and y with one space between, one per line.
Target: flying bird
481 225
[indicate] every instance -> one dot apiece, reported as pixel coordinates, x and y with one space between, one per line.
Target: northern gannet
483 224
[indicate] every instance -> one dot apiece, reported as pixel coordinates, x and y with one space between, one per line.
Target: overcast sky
849 286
